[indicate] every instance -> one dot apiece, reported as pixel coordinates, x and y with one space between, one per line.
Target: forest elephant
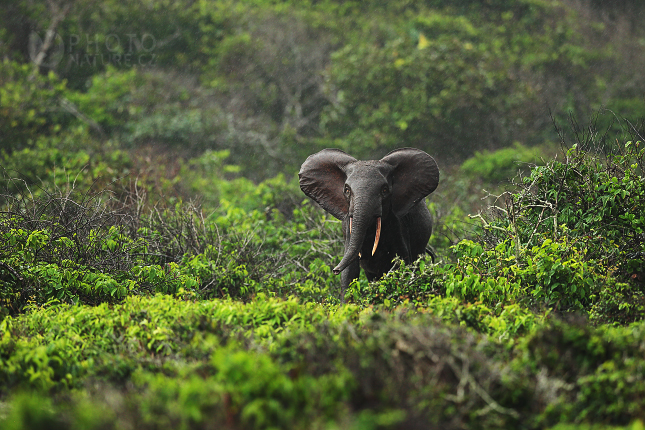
381 204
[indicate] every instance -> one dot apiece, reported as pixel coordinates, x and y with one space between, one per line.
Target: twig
58 16
13 271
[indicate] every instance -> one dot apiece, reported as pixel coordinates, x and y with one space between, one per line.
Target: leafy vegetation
160 268
235 319
186 77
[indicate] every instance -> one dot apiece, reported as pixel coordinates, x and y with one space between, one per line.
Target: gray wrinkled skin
392 189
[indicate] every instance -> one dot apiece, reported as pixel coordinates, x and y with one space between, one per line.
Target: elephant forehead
372 170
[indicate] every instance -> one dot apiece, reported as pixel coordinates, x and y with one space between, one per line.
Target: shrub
569 238
318 364
407 285
593 201
30 105
493 167
164 361
586 369
79 246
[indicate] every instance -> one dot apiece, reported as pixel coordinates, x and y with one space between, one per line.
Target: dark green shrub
407 285
587 370
75 246
494 167
570 239
591 200
30 105
618 302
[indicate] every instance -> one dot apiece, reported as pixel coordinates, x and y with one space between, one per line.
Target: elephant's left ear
415 175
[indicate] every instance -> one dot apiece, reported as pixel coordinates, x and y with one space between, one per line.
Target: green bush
553 275
584 197
126 305
164 361
69 159
587 369
29 105
493 167
79 246
568 239
408 285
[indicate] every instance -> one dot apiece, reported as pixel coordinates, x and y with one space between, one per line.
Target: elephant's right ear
322 177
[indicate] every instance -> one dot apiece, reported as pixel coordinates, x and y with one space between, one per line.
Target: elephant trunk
359 224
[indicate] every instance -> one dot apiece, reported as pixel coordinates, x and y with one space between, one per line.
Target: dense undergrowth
152 277
165 362
119 314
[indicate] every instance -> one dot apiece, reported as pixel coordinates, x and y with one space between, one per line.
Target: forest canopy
273 81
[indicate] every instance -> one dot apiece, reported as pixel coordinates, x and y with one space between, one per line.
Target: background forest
160 268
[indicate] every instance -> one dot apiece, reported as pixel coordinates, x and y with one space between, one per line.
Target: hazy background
176 94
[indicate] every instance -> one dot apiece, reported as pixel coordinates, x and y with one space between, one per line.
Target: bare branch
58 14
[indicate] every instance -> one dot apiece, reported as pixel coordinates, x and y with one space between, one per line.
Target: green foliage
412 285
288 389
208 173
618 302
569 239
69 280
68 159
108 100
636 425
87 348
452 79
587 368
280 363
221 283
554 275
31 411
135 308
371 78
29 105
448 77
79 246
501 165
493 306
141 107
595 201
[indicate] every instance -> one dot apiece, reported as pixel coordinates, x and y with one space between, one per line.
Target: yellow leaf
423 42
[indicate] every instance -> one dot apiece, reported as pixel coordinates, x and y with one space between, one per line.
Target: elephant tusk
378 234
350 225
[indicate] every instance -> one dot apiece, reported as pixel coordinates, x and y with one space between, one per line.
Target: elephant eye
385 191
347 190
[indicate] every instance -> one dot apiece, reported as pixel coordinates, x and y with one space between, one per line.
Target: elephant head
363 193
